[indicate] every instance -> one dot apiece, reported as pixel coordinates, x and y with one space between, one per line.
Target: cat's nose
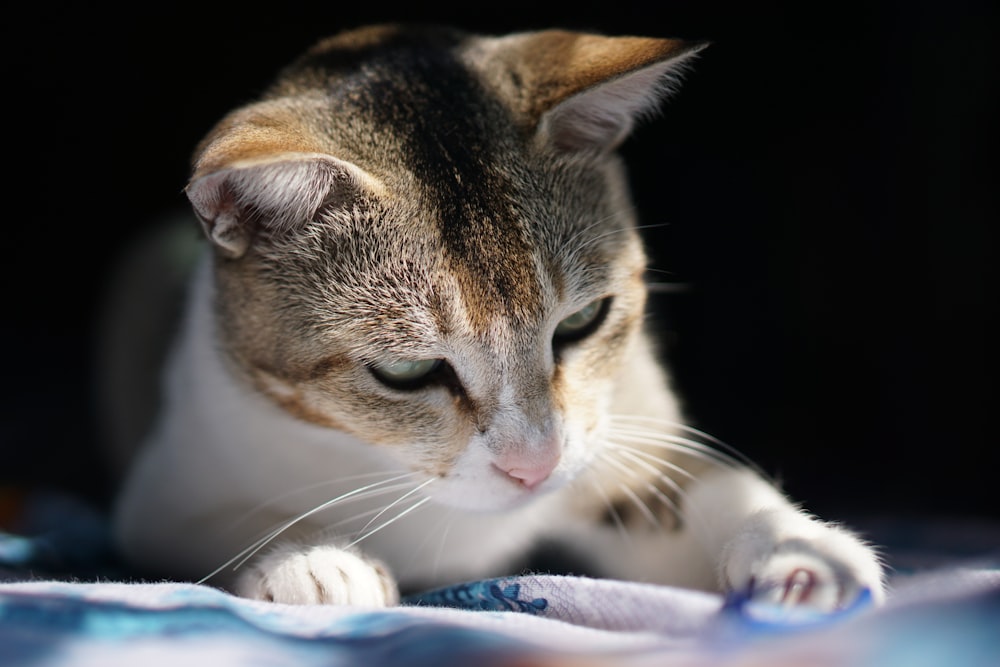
530 477
530 471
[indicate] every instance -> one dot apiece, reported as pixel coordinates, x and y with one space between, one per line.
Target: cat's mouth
507 471
495 489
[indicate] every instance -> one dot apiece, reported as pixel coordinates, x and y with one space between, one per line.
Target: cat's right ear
238 202
260 174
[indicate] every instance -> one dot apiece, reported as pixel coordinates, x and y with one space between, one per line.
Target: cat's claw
795 583
827 570
318 575
799 588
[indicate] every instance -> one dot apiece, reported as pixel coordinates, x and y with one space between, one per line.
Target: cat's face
461 363
408 256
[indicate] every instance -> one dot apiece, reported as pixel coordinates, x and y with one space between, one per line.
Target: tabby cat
414 348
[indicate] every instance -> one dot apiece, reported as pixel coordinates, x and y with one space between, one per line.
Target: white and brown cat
414 349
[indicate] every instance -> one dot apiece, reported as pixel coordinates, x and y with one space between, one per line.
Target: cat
414 349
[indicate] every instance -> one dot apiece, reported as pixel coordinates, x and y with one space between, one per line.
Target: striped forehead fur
455 137
458 217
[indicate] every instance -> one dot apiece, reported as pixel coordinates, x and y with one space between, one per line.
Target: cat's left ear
587 91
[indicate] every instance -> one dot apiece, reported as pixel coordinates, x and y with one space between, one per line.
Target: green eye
406 374
583 322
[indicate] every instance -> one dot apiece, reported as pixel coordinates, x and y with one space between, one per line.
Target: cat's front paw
325 574
785 559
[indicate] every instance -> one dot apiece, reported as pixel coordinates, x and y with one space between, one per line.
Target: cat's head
424 238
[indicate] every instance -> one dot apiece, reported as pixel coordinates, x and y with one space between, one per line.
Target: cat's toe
811 564
318 575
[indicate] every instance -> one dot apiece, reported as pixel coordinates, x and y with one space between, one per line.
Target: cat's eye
583 322
406 374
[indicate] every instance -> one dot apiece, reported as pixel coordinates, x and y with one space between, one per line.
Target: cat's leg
729 530
317 574
772 551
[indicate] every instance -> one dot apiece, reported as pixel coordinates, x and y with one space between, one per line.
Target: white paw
791 559
296 574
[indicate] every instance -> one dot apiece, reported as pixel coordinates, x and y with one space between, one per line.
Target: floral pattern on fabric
486 595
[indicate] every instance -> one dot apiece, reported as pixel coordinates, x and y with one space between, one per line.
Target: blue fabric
106 624
60 625
945 615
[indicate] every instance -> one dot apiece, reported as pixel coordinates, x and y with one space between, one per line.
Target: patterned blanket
945 614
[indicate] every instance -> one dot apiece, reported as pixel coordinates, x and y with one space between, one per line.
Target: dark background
824 184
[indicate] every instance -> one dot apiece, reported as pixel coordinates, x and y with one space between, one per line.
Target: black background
824 184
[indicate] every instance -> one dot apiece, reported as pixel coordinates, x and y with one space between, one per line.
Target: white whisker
636 453
667 288
391 521
370 512
607 457
631 436
307 488
394 503
628 426
436 535
246 554
637 456
571 241
667 502
641 506
614 514
672 443
718 447
443 540
621 230
632 454
690 513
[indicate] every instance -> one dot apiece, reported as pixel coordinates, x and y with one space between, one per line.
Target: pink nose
529 471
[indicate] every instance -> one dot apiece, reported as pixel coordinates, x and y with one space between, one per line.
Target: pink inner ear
216 207
233 203
601 117
573 130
